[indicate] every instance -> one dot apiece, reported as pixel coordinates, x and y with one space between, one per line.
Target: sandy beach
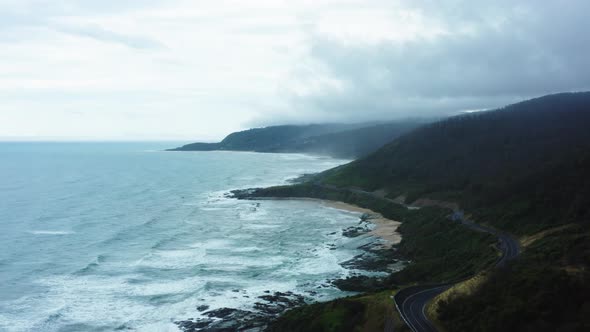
385 229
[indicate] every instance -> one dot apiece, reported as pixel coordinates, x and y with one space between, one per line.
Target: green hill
521 168
524 169
336 140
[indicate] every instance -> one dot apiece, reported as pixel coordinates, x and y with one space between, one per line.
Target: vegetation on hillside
521 168
440 249
524 169
359 313
547 289
336 140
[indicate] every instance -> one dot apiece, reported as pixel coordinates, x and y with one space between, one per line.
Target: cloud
450 58
100 34
27 20
184 68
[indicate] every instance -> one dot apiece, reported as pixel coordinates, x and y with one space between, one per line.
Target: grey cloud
539 48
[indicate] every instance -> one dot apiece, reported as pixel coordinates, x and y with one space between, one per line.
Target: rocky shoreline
266 308
270 306
378 257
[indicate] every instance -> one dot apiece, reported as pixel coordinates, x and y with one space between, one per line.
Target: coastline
385 229
271 306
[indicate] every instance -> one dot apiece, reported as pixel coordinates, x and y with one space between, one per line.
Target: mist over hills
527 159
337 140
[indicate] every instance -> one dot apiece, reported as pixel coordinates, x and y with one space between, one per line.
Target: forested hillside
336 140
524 169
521 168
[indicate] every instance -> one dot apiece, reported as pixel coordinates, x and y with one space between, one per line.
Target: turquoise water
104 236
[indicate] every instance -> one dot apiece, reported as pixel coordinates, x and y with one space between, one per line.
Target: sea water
105 236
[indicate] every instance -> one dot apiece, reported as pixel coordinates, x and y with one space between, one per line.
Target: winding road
411 302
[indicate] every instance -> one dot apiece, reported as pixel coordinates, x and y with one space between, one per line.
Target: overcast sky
197 70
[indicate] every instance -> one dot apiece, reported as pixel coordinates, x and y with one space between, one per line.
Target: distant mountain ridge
336 140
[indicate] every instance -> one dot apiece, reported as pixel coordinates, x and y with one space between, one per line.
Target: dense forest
521 168
336 140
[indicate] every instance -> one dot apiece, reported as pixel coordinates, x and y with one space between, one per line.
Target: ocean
124 236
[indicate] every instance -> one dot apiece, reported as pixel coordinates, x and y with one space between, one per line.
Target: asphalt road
411 302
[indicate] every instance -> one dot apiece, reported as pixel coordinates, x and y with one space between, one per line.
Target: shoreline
385 229
270 306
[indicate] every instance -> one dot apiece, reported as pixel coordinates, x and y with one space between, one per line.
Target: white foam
323 261
48 232
115 300
172 259
162 287
246 294
100 301
208 208
214 244
246 249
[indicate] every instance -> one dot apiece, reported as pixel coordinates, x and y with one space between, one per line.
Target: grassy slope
547 289
358 313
